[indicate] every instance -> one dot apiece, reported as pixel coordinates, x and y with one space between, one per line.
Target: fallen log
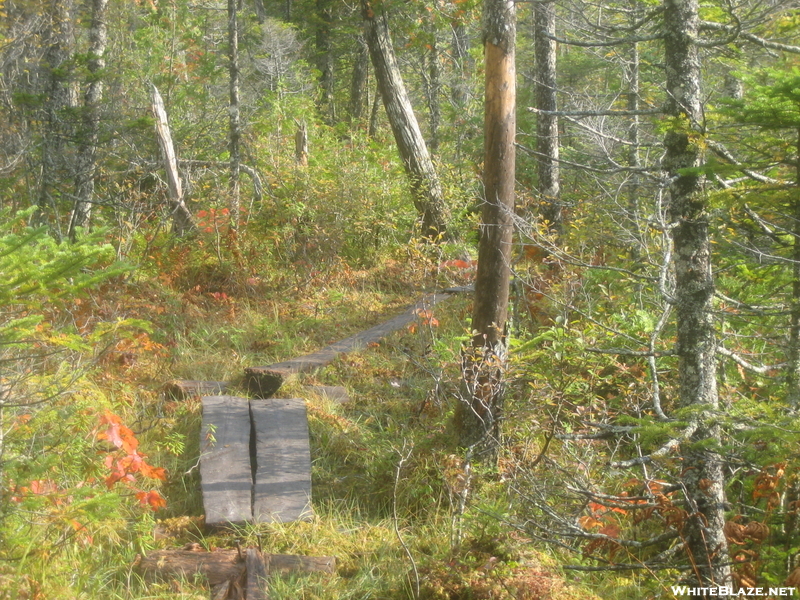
180 389
224 565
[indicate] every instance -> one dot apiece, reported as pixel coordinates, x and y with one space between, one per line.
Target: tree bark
234 126
59 96
425 187
547 142
703 475
182 221
433 84
358 84
325 60
86 166
483 364
793 369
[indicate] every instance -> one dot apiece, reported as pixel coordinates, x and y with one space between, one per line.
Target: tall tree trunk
425 187
548 172
459 91
235 133
59 96
86 166
358 84
793 367
703 474
182 221
325 60
433 84
261 12
483 365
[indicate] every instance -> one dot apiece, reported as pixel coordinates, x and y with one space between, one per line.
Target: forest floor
392 498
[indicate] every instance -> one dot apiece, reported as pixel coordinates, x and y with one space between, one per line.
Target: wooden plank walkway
282 486
226 474
255 461
263 382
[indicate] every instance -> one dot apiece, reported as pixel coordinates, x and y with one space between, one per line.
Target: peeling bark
425 187
483 365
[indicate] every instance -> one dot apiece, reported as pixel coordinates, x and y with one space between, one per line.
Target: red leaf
152 499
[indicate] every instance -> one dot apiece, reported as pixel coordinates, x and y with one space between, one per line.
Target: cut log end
263 382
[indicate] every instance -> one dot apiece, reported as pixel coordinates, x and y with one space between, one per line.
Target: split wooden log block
226 473
282 485
186 388
255 462
263 382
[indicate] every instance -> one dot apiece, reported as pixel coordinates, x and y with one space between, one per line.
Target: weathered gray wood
333 392
186 388
263 382
257 569
224 565
282 487
225 471
220 592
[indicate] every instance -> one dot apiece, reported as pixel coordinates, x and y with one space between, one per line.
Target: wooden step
226 473
282 486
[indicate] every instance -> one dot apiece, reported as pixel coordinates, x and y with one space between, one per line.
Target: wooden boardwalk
255 463
263 382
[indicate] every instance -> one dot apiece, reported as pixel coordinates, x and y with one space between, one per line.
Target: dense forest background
194 187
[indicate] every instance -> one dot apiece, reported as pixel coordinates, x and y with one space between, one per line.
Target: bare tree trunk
547 142
358 84
425 187
182 221
703 475
483 365
373 114
58 97
261 12
433 85
235 133
459 91
86 166
301 143
793 368
325 61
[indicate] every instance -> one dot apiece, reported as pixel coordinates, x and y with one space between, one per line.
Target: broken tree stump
226 476
263 382
282 484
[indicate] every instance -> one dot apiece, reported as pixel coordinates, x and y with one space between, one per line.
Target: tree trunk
325 58
182 221
425 187
261 12
86 166
433 84
549 182
59 96
793 368
235 133
483 364
703 475
358 84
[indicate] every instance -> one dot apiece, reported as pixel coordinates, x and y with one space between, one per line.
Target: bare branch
760 369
